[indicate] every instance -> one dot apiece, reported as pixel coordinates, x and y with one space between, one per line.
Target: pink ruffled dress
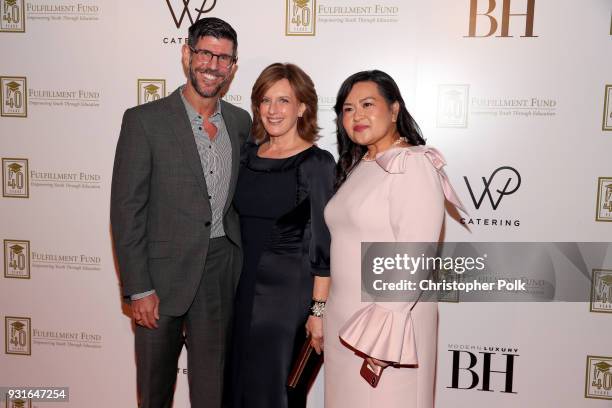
398 197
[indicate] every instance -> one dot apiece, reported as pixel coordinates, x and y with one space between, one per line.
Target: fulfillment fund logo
472 367
601 291
480 18
18 335
16 259
14 97
15 182
300 17
234 99
150 90
503 181
452 106
598 383
604 199
12 16
607 118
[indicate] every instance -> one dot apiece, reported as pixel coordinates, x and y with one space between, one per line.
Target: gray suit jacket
160 212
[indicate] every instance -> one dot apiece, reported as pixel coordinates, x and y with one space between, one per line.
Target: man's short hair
214 27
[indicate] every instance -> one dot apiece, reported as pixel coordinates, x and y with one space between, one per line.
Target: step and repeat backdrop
517 94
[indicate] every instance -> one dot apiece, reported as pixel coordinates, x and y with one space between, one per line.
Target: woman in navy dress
285 182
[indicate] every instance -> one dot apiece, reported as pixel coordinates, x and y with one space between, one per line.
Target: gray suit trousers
204 330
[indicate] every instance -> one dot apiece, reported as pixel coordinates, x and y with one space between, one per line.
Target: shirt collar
193 114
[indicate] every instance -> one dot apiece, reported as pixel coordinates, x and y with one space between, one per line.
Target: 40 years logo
12 16
598 378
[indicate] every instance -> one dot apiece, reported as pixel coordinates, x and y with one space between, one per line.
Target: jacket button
207 223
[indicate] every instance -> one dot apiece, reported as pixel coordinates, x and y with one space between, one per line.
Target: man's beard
194 82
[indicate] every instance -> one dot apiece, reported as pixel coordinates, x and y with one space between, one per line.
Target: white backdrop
531 93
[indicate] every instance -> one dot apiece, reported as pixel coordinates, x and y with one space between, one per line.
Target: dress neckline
281 158
264 164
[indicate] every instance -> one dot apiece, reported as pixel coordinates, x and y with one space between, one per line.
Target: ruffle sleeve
382 333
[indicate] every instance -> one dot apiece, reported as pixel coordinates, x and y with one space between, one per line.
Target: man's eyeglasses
206 56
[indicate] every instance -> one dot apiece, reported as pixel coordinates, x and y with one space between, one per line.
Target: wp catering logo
14 96
485 16
604 199
150 90
300 17
188 10
16 259
601 291
12 16
483 368
489 191
598 383
15 182
18 335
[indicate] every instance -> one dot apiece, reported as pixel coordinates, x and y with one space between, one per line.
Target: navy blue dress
285 243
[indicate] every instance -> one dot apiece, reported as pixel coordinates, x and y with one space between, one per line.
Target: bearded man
176 234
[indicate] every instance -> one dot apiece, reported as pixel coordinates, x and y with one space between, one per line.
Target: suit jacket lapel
232 131
184 136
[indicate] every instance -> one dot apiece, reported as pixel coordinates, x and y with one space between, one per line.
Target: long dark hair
350 152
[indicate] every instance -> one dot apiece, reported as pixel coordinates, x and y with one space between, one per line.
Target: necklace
397 142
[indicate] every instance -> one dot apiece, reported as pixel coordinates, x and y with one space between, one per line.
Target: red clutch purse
370 376
305 367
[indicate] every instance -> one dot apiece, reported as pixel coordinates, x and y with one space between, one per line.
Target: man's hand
146 311
314 329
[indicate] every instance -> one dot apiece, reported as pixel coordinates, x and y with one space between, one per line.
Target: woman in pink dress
391 187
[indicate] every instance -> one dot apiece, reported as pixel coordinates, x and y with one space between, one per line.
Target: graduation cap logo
18 403
603 366
15 167
17 326
607 280
14 96
151 93
17 249
15 177
13 86
453 106
16 259
599 377
151 88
